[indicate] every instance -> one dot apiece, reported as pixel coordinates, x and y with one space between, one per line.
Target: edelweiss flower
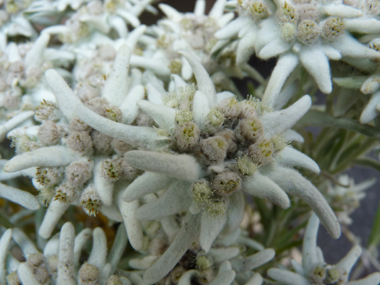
193 32
101 17
314 269
344 198
21 84
223 263
371 85
368 85
12 21
311 33
218 148
77 164
59 263
244 28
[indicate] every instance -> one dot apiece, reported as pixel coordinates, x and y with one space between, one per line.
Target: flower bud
88 274
186 136
249 130
230 108
48 133
116 169
230 138
87 92
332 28
98 105
49 177
45 196
308 32
215 120
183 116
79 172
120 147
308 12
287 13
214 149
77 125
259 11
101 143
261 152
66 193
288 31
246 166
226 183
47 111
90 201
80 142
37 263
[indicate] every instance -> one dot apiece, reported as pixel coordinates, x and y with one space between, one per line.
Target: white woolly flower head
368 85
306 32
60 261
21 84
314 269
256 9
222 264
193 32
344 196
219 149
92 17
76 164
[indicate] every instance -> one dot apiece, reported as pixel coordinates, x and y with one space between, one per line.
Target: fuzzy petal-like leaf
243 264
66 99
294 183
210 229
277 122
181 243
66 271
292 157
176 199
137 136
285 65
261 186
317 64
204 82
147 183
99 249
116 86
182 167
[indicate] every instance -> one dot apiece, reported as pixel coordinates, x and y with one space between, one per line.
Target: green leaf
354 82
264 211
5 223
368 162
289 235
352 153
317 118
374 237
346 99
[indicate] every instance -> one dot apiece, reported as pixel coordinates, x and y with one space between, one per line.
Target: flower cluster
60 261
143 127
314 269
